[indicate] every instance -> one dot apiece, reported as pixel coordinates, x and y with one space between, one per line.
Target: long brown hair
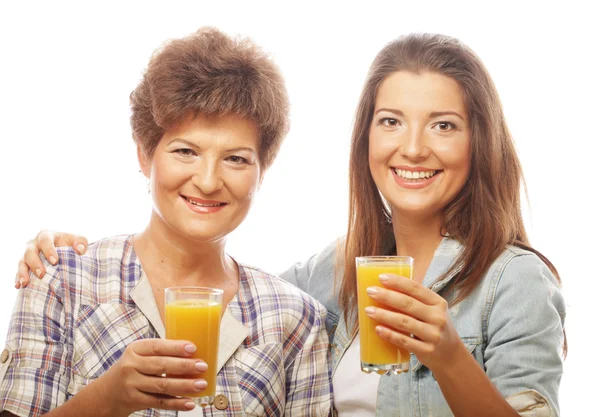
486 214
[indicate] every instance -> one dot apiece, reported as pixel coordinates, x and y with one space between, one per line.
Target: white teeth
414 174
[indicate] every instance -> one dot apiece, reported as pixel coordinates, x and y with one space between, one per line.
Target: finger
171 386
23 274
161 365
400 302
44 243
33 261
405 324
17 283
163 347
77 242
165 402
410 287
404 341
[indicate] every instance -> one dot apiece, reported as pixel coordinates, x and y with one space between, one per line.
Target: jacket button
221 402
4 356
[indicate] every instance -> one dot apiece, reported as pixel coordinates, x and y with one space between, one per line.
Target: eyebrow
431 115
192 144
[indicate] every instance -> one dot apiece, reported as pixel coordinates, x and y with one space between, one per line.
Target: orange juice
373 349
199 322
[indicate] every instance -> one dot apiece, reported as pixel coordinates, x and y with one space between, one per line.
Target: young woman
434 175
208 118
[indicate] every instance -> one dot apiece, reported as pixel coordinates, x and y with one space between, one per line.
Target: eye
389 122
185 152
236 159
445 126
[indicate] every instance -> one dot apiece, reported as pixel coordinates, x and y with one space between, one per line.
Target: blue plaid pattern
70 327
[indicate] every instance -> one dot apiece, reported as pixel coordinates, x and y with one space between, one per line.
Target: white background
67 161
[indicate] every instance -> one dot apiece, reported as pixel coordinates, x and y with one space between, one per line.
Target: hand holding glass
376 354
194 314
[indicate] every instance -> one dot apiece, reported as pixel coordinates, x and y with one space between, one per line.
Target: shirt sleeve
523 357
34 378
309 390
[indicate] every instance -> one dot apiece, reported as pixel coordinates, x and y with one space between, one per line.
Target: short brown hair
210 73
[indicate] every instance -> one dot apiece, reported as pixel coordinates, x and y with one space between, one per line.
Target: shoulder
276 291
104 260
521 265
522 276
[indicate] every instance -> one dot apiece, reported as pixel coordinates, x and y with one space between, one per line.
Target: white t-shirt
354 392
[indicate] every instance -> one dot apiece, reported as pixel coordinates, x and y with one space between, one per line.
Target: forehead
426 91
227 129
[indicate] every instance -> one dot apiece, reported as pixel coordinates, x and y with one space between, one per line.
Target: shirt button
221 402
4 356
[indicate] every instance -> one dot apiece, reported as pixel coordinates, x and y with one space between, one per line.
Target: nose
415 145
208 176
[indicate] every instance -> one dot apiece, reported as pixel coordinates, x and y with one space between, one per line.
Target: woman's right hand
135 383
46 242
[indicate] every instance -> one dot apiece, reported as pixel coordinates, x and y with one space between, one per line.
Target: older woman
208 119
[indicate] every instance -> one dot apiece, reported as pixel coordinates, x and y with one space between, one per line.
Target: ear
144 161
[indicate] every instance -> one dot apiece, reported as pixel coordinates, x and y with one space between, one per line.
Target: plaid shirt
70 327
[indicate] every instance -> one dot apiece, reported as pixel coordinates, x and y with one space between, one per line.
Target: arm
308 380
524 335
34 379
423 313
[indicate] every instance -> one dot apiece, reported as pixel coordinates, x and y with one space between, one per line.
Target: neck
419 237
170 259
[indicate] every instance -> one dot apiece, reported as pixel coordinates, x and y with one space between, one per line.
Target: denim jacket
512 323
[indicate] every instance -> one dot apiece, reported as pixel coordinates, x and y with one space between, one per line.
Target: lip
414 169
203 209
415 183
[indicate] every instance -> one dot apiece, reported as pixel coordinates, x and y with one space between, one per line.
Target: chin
414 210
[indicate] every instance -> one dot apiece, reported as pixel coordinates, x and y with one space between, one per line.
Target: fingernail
80 248
200 384
21 280
372 290
379 329
201 366
384 278
190 348
53 260
370 311
190 405
38 272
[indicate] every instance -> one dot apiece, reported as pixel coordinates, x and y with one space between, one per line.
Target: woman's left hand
418 311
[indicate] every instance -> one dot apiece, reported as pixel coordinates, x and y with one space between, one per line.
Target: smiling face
203 176
419 142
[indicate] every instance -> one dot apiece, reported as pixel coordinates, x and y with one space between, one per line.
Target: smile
414 175
203 206
195 203
415 179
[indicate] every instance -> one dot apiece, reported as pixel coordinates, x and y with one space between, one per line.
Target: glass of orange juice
376 354
194 314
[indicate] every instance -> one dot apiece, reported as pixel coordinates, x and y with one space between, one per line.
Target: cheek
244 185
455 155
381 150
165 174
